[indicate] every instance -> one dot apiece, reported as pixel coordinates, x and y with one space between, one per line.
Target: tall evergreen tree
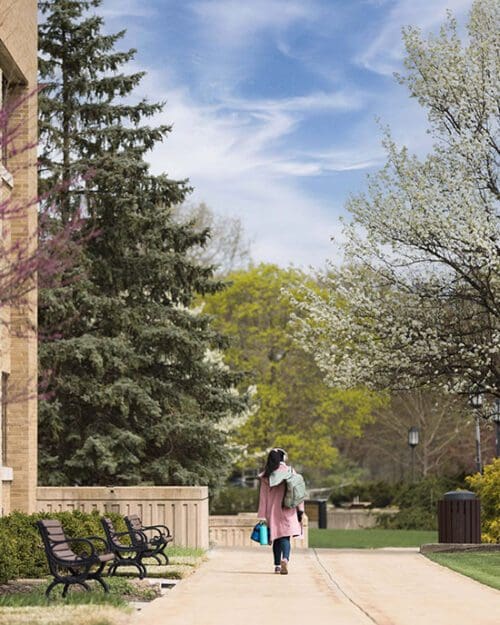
133 395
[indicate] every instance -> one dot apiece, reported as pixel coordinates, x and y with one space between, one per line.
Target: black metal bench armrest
139 533
159 534
158 528
93 555
142 537
98 538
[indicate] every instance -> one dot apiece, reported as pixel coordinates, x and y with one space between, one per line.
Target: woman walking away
283 522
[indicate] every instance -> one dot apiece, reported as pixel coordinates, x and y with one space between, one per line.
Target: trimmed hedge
22 553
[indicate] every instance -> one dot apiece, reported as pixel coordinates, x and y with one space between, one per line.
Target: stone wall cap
131 493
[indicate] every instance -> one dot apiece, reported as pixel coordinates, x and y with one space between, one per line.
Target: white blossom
417 299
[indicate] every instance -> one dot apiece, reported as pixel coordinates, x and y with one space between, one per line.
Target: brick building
18 180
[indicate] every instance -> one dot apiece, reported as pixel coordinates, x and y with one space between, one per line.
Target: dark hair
273 461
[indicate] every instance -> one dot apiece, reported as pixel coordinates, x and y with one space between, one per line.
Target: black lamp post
496 420
413 438
476 401
275 355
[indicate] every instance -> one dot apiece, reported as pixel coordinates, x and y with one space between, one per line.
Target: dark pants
281 549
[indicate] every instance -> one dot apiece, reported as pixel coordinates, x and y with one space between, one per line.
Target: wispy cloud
340 100
236 170
232 22
385 53
272 120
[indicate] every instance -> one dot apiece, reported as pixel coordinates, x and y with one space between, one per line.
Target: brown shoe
284 567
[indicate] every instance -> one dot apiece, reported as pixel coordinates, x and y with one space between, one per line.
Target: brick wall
18 347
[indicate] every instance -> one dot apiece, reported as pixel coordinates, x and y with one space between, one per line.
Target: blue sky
274 104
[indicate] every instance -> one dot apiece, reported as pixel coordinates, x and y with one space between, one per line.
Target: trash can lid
459 494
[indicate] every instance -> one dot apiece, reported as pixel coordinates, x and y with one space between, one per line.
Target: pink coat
281 521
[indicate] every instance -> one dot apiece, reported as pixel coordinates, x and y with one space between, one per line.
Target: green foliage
9 558
418 503
487 488
132 395
22 553
410 519
294 407
380 494
232 500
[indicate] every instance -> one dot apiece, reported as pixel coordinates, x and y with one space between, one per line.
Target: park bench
70 567
129 553
158 537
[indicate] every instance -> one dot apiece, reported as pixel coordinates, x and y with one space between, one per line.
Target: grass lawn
65 615
369 538
483 567
121 591
29 605
24 602
185 552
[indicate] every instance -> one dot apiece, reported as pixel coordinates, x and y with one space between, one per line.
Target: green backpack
295 492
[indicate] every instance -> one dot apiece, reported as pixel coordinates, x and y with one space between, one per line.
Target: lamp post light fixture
496 420
275 354
413 440
476 399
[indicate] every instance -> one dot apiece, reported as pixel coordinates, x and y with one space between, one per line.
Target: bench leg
103 583
51 587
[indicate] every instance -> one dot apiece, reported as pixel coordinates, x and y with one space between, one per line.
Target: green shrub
381 494
8 556
22 553
417 503
409 519
23 534
487 488
231 500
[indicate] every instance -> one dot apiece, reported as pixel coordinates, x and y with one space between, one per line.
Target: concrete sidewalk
403 587
344 587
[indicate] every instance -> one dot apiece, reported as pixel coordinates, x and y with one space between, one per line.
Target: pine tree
133 395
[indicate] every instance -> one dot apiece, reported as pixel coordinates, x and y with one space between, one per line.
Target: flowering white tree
417 299
227 247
